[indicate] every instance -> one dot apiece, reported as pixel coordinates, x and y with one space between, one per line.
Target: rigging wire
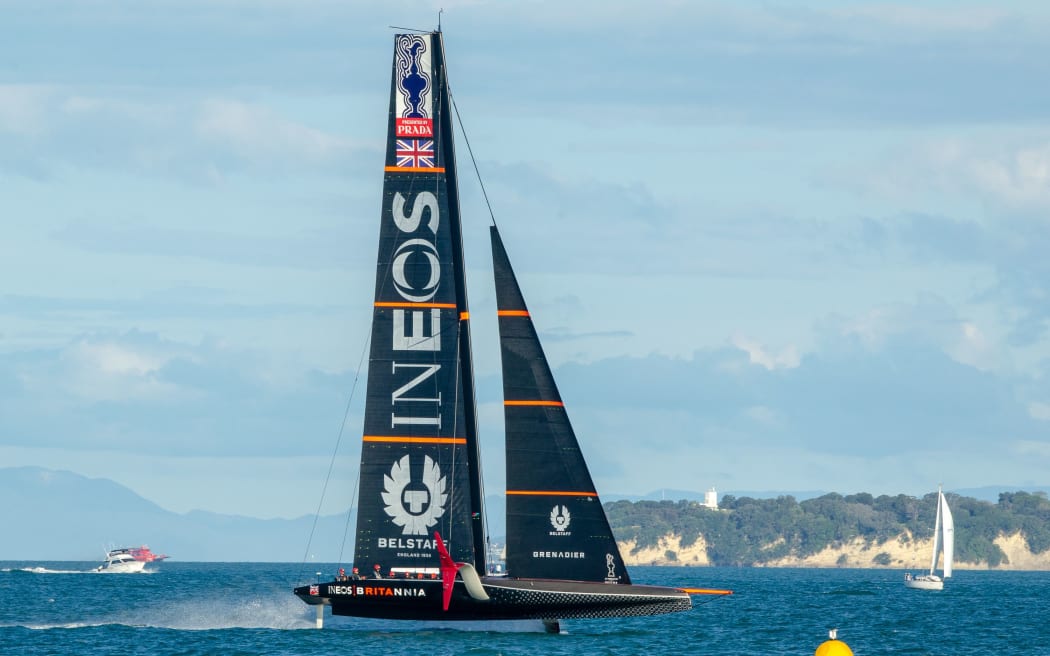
349 514
411 29
331 467
470 151
492 216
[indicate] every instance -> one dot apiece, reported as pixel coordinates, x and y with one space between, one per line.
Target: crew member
377 573
355 575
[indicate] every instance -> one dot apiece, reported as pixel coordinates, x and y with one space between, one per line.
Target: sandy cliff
903 552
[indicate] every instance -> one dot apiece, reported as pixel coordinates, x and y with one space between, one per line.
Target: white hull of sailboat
924 583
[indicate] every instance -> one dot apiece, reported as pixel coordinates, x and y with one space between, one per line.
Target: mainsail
948 535
556 527
943 537
419 469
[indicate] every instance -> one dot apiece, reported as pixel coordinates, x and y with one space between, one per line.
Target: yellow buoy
833 646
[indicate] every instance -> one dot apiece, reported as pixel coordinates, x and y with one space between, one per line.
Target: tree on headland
746 531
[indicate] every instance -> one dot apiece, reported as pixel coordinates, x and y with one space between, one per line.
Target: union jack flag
417 153
314 590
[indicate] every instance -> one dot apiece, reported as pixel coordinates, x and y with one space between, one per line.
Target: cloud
139 393
306 248
258 132
988 196
718 63
788 358
891 397
852 416
922 20
1039 410
22 109
563 335
1033 449
108 371
928 320
58 129
1008 172
172 303
1020 177
160 115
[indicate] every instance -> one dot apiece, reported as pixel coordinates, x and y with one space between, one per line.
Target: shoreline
904 553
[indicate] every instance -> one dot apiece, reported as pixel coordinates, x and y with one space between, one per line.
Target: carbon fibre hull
509 599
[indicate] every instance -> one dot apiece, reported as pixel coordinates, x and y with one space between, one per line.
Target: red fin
448 571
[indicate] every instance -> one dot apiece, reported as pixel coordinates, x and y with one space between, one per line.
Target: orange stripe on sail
414 440
550 493
463 316
414 169
512 313
451 306
555 404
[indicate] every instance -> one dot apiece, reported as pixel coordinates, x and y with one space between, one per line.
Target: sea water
248 608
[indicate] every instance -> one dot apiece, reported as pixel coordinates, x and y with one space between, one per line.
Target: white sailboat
943 542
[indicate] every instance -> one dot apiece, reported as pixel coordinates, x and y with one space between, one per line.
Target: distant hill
60 515
692 495
987 493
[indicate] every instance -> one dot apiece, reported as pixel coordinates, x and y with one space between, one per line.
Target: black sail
419 471
556 527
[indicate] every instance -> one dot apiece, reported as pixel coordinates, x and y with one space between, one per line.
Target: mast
936 532
466 358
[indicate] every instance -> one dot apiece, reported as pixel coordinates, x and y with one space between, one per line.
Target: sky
767 245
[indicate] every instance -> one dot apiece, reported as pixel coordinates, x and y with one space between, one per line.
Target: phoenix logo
560 520
415 507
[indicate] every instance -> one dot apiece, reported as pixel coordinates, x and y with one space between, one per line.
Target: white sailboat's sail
937 542
948 536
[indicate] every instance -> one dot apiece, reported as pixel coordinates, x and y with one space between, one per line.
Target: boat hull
509 599
121 567
924 583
